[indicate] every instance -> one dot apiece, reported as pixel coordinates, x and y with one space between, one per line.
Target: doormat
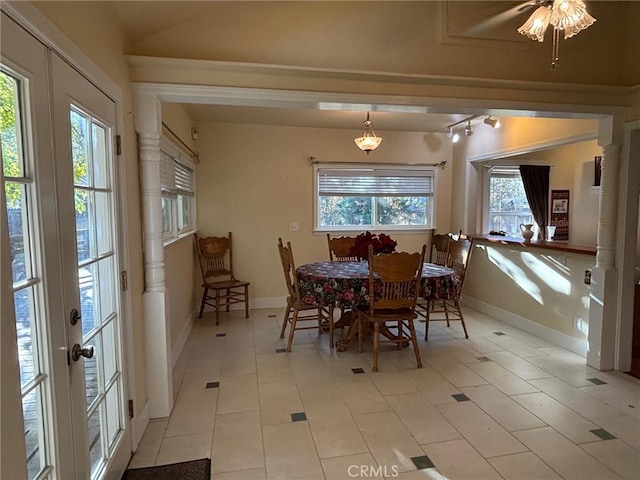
193 470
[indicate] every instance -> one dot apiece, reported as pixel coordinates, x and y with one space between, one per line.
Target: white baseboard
563 340
181 340
139 425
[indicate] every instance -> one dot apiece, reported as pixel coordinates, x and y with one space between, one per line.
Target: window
177 184
508 205
353 197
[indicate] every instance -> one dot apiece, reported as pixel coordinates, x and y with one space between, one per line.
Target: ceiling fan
567 16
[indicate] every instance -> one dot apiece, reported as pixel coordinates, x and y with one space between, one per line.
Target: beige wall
543 286
253 180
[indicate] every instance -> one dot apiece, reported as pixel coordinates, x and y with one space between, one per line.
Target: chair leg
330 326
217 307
426 323
464 327
246 301
414 340
360 324
293 328
287 312
376 345
204 301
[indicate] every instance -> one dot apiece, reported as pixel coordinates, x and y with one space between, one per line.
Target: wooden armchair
394 283
221 288
340 249
296 310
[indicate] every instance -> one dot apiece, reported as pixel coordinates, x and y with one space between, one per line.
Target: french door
57 133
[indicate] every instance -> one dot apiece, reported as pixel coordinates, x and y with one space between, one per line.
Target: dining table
345 285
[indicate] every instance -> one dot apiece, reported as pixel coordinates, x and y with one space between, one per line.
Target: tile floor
501 405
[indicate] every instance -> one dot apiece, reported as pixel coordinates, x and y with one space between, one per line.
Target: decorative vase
527 232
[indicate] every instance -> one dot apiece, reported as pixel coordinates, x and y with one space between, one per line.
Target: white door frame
32 20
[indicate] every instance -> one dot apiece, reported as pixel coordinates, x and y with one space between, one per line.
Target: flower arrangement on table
381 244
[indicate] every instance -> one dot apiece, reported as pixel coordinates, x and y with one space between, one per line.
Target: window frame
486 213
431 171
178 192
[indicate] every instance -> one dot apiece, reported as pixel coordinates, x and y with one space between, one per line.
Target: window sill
543 244
173 240
389 231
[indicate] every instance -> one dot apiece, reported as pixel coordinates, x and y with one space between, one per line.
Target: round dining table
346 284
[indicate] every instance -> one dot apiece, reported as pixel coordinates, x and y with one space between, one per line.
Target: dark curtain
535 179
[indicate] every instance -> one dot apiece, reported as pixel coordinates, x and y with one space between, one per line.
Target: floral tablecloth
346 284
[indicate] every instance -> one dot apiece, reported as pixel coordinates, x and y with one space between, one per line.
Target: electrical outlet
578 323
294 227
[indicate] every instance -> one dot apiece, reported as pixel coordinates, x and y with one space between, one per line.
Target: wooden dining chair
394 282
297 311
439 253
221 287
340 249
448 309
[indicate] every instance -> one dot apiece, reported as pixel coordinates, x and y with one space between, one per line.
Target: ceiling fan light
537 24
492 122
570 16
368 141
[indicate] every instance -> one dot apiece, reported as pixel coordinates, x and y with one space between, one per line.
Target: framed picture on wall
560 214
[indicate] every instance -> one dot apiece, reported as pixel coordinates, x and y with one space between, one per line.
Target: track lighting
493 122
468 129
453 136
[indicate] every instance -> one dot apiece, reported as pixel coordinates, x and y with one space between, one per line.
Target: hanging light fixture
453 136
492 122
570 16
368 141
468 129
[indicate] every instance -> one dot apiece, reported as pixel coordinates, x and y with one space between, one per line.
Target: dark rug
193 470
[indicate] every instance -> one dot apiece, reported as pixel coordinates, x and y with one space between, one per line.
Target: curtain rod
175 135
442 164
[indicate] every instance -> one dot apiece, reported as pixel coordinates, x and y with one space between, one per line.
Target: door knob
77 351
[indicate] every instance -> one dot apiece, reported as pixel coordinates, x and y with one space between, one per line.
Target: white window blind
175 178
374 182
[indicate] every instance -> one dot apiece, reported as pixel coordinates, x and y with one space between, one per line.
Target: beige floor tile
318 389
251 474
183 448
482 431
352 466
360 394
278 400
392 383
457 459
576 399
624 427
573 426
333 429
424 474
623 396
563 371
274 367
193 412
523 466
238 394
502 408
513 345
237 442
502 378
616 455
149 445
389 441
566 458
518 366
238 362
432 385
290 452
198 375
455 372
422 419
